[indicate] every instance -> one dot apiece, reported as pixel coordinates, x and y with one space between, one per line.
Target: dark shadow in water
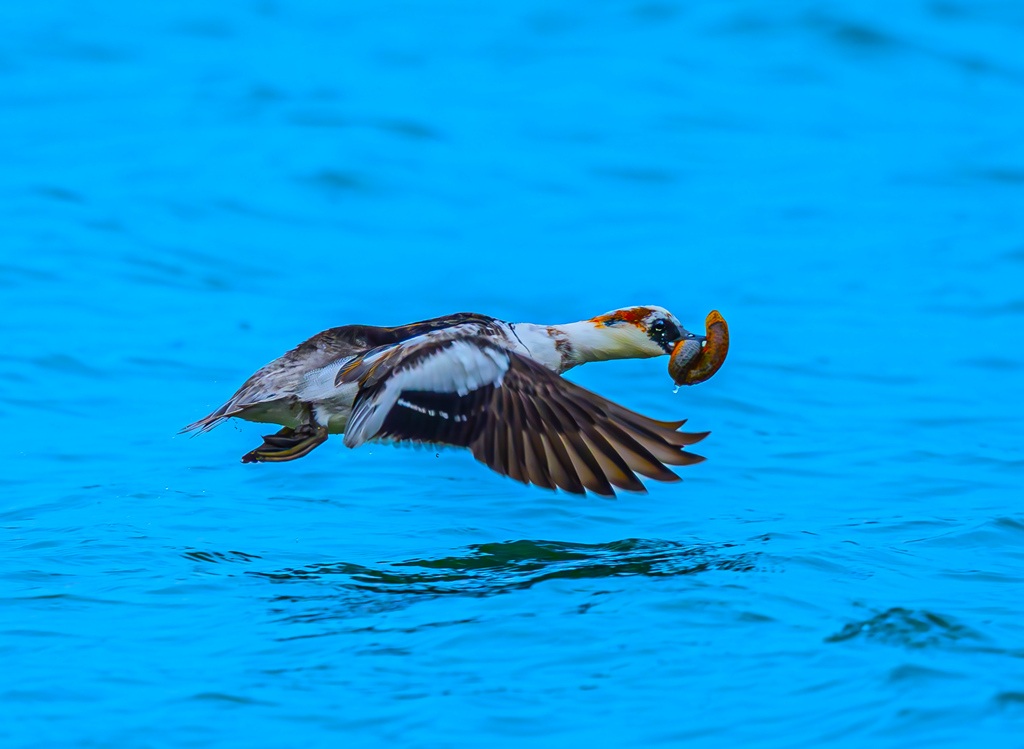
919 629
59 194
333 181
912 629
493 569
636 174
999 174
864 40
217 557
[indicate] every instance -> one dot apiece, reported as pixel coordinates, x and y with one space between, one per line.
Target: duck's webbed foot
288 444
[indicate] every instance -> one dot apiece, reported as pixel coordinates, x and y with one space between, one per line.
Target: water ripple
907 628
489 570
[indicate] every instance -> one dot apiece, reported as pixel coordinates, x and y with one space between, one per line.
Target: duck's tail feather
207 423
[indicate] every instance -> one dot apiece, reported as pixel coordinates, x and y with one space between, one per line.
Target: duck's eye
664 333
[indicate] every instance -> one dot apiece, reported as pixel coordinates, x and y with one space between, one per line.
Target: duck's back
285 377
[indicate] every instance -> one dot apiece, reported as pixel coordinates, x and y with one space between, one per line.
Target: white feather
319 383
460 368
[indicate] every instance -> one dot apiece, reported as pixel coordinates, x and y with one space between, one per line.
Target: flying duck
473 381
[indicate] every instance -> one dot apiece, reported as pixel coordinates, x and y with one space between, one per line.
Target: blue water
189 189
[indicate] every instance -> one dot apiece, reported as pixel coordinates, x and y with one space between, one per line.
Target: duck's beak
684 335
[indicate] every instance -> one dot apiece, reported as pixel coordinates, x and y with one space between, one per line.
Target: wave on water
917 630
497 568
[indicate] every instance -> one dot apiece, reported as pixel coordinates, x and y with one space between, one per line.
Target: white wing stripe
459 368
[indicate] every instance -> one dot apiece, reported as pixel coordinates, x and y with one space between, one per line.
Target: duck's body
472 381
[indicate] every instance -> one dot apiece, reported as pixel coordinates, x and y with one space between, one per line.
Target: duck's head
633 333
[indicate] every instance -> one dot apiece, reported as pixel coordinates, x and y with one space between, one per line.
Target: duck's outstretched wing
516 416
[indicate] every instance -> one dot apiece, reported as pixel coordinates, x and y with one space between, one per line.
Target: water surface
190 190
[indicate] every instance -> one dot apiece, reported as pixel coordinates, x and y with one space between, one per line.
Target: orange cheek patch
634 316
689 366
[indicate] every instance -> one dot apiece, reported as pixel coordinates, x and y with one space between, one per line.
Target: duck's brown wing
518 417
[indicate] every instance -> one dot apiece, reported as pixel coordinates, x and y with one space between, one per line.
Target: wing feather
559 462
516 416
637 457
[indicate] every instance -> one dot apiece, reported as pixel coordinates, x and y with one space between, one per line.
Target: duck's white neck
588 341
562 347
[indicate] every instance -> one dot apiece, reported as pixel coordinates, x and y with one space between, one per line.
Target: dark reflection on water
490 569
484 570
912 629
218 556
919 629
